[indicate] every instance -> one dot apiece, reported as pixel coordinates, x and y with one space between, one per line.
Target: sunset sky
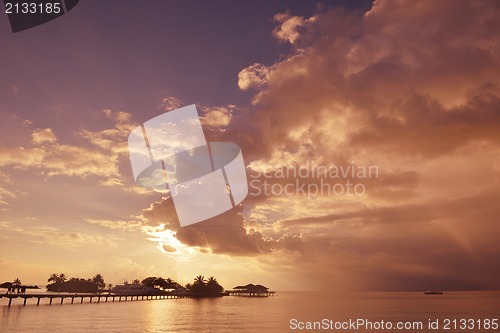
409 87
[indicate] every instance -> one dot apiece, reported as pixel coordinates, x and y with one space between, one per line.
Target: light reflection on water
243 314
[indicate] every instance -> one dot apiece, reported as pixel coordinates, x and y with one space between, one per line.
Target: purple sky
411 88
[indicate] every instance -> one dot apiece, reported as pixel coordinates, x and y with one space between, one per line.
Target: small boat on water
433 292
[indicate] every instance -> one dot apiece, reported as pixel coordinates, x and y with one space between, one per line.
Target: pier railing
98 298
251 293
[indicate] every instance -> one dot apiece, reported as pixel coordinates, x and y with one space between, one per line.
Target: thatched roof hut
251 288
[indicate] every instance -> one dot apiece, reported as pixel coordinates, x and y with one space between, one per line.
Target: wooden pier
251 294
91 297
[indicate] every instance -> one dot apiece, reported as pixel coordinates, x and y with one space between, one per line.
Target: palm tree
136 281
160 282
17 282
199 285
199 280
98 280
213 285
149 281
57 280
54 278
171 284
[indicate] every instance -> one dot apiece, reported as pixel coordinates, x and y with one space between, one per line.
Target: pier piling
91 297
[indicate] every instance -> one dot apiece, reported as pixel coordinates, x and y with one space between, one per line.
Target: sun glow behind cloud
168 243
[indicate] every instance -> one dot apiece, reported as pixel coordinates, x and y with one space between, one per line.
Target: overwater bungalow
251 290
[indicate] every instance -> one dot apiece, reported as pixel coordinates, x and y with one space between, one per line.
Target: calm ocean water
244 314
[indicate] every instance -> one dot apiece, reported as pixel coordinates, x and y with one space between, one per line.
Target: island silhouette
199 287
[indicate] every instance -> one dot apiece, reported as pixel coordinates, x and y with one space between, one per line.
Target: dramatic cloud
5 195
252 76
47 235
40 136
412 88
117 225
217 117
409 88
381 80
288 26
113 140
225 233
170 103
50 157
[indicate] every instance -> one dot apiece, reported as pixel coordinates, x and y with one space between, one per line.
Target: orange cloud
41 136
412 88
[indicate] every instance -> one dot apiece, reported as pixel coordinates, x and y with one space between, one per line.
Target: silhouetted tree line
200 285
60 283
159 282
204 286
